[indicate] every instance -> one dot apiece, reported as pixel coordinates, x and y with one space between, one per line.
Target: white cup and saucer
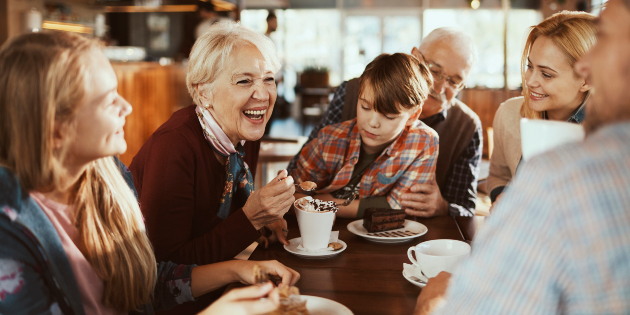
433 257
315 235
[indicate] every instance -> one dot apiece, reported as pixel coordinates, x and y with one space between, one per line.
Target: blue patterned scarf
238 178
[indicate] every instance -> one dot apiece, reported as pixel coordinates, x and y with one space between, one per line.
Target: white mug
539 136
315 228
435 256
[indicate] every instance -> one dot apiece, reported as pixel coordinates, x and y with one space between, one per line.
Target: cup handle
410 255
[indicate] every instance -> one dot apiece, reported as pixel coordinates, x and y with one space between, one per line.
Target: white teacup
539 136
433 257
315 227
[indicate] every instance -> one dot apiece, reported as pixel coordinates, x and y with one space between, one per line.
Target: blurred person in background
449 54
272 23
208 17
559 240
553 90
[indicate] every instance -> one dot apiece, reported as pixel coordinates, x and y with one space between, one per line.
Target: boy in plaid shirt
385 150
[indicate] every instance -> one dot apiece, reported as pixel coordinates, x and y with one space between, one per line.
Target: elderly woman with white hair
194 174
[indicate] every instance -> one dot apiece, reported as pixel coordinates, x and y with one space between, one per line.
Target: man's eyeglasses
438 74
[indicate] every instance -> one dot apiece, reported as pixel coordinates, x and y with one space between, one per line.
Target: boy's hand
424 200
279 232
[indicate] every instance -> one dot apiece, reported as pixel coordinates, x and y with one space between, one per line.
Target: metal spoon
416 279
305 190
348 201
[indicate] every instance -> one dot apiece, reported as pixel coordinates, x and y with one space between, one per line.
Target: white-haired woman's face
243 94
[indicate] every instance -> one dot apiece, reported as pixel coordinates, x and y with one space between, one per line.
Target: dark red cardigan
179 183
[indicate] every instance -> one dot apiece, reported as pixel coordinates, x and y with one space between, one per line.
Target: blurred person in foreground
559 240
449 54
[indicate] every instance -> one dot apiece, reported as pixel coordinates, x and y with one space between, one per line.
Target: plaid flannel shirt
460 189
329 161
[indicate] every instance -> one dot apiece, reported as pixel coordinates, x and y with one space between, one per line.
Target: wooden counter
154 92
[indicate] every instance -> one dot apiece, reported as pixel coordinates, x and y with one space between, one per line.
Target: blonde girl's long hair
573 32
42 82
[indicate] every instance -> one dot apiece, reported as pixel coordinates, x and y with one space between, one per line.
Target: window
305 38
367 36
313 37
486 29
362 43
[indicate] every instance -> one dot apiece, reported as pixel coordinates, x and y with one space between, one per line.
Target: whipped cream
315 205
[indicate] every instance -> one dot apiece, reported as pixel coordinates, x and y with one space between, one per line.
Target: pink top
90 285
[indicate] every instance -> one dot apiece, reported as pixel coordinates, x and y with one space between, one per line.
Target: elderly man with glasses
449 54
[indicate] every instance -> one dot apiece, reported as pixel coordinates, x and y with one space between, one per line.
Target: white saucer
320 306
322 254
356 227
414 282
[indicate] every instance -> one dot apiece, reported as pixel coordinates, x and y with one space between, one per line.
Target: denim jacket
35 274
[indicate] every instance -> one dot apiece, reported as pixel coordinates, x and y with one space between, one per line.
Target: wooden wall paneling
4 21
154 92
485 103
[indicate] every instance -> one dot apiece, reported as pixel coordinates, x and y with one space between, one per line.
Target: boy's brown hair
397 80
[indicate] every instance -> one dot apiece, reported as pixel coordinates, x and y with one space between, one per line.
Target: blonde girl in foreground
73 238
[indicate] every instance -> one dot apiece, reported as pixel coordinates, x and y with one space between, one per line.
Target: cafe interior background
321 43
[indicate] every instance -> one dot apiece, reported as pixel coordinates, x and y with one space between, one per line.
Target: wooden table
467 227
367 276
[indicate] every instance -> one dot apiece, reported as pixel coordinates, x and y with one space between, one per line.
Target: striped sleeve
558 241
514 266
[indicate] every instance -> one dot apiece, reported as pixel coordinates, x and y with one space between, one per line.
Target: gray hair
212 50
458 40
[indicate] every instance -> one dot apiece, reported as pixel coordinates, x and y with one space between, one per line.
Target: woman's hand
210 277
245 271
271 202
279 232
245 301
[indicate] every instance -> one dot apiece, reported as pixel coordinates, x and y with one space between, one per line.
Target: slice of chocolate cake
378 220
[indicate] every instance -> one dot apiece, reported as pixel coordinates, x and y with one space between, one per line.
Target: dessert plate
322 254
413 281
320 306
414 229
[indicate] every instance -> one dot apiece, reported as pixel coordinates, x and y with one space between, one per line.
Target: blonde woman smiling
551 88
73 237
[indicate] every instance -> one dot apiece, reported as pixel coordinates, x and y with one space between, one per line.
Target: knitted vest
455 132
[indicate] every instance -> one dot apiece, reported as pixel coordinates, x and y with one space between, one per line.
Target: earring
207 105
